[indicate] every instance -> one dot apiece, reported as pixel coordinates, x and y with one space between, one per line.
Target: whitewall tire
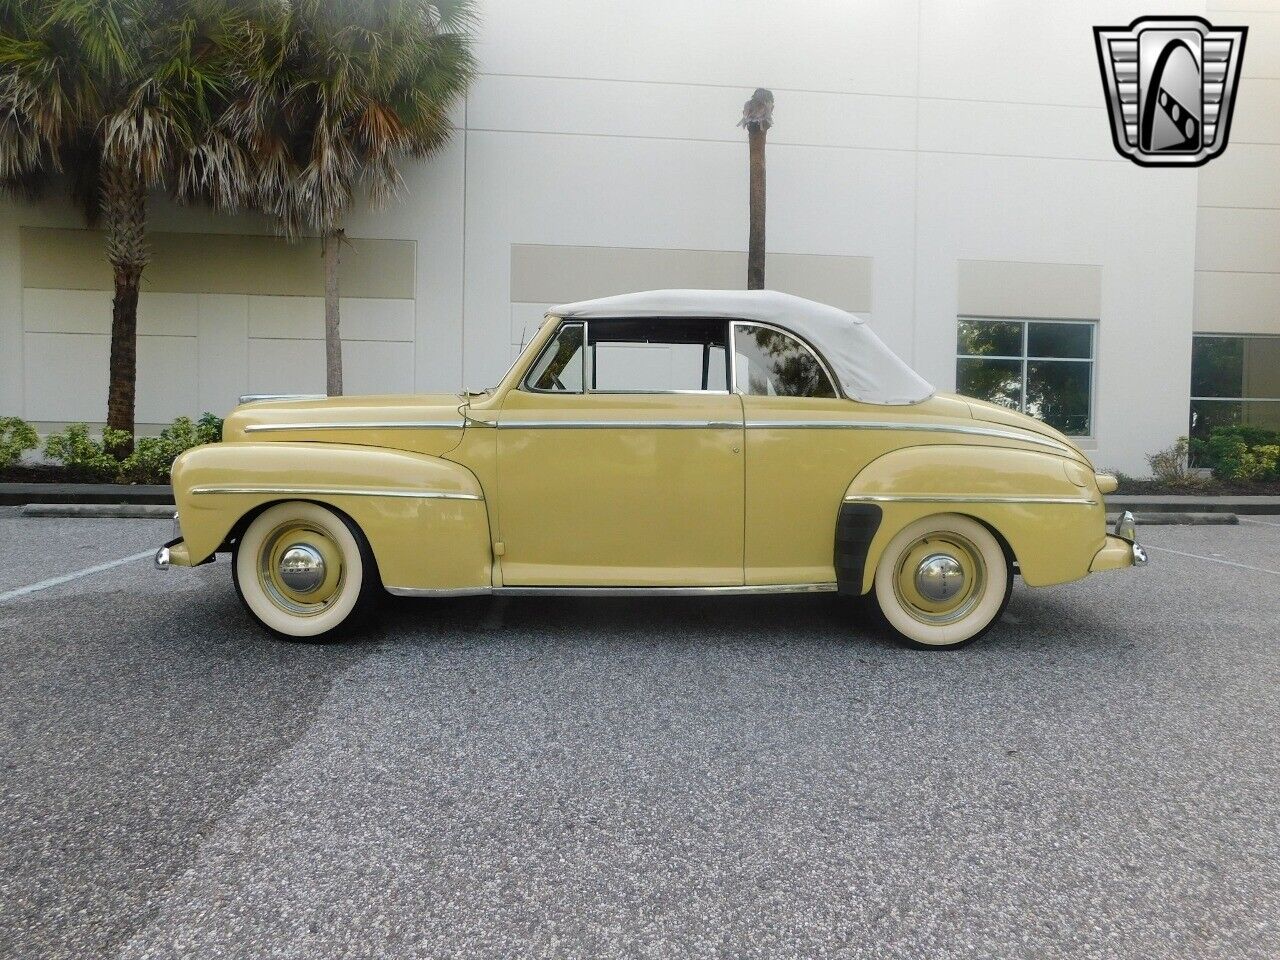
303 570
943 581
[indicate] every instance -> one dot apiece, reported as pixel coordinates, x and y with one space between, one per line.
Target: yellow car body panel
618 490
1046 508
408 505
514 488
430 424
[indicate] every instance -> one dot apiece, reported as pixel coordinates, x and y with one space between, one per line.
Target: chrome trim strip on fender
256 397
441 593
617 424
342 492
900 425
960 498
616 591
362 425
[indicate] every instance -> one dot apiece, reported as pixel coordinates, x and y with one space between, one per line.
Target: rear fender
1046 508
425 518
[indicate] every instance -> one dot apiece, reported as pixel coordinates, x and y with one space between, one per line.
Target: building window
1235 381
1039 367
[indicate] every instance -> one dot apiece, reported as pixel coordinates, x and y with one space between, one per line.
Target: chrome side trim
617 424
616 591
960 498
900 425
664 591
255 397
362 425
342 492
432 592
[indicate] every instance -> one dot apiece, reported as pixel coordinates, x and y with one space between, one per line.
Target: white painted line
1265 523
1196 556
55 581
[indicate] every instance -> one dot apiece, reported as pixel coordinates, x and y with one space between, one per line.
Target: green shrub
84 457
1170 465
1240 453
1259 463
152 457
16 438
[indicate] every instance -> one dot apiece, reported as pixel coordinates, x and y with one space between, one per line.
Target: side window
559 368
768 363
657 356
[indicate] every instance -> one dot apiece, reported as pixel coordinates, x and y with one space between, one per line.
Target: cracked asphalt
767 777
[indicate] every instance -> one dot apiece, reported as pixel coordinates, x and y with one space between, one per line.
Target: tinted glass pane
999 381
1058 393
1208 414
1261 368
654 356
772 364
559 368
1060 340
990 338
1216 366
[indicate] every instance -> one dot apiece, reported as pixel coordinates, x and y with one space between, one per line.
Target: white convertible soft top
867 369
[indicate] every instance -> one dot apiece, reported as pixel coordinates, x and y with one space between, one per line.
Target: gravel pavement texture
764 777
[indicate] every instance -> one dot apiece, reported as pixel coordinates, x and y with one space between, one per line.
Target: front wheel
303 571
943 581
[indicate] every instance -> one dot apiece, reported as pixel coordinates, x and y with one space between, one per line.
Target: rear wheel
304 571
943 581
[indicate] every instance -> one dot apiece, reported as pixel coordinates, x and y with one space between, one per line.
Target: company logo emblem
1170 84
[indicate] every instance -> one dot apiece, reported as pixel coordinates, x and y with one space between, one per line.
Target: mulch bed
1208 488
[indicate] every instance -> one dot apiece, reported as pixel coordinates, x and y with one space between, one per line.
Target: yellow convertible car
680 442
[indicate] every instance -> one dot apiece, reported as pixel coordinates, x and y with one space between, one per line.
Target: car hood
428 423
994 413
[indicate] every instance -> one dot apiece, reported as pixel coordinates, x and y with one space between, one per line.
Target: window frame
525 381
1026 322
1224 336
816 354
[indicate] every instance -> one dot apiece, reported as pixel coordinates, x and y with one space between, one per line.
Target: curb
1179 503
128 511
21 494
1152 518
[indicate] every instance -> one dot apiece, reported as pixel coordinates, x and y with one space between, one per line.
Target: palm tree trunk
124 209
755 240
332 337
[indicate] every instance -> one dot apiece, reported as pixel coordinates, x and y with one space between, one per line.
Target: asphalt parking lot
1099 777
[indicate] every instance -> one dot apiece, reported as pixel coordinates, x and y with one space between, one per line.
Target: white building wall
913 134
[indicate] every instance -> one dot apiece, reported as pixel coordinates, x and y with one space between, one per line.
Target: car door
620 459
800 455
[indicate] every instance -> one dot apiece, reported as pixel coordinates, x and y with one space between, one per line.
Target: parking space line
66 578
1196 556
1265 523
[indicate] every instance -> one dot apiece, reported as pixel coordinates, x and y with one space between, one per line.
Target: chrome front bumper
164 557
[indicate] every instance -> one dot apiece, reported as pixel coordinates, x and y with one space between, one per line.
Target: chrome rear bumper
1121 548
1127 529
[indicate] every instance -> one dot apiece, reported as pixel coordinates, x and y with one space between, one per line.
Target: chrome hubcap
302 568
939 577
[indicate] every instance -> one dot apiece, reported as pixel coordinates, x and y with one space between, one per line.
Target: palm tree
334 94
109 98
757 117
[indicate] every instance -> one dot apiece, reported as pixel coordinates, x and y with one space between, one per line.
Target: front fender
425 518
1047 508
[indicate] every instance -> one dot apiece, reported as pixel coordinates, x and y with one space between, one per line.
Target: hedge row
92 460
